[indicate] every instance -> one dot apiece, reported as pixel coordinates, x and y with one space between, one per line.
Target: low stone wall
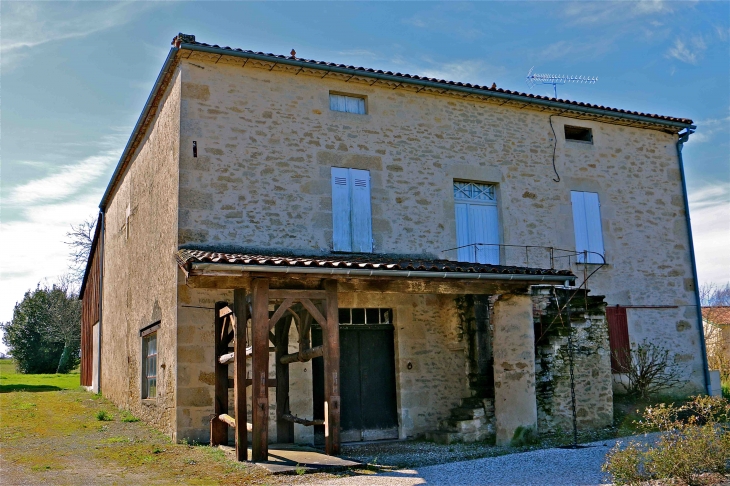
586 319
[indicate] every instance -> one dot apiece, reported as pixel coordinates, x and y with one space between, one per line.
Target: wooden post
239 372
331 338
219 429
260 375
284 428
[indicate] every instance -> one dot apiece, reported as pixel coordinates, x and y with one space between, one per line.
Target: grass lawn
51 433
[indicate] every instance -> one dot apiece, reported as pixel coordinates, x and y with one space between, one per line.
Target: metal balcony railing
524 255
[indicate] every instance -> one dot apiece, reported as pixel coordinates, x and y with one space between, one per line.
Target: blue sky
75 76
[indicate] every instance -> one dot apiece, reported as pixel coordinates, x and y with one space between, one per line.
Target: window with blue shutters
347 104
587 225
351 211
477 224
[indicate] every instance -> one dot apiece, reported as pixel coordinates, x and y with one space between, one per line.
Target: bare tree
714 295
715 314
79 240
649 369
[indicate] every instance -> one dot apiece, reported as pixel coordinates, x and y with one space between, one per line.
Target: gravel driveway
542 467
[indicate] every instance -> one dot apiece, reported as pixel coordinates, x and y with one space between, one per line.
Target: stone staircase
472 421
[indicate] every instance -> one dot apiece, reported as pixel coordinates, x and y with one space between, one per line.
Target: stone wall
139 270
591 360
267 140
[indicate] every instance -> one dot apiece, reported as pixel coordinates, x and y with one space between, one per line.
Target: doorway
367 376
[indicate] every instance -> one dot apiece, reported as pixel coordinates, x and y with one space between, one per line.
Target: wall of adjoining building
139 270
267 141
591 360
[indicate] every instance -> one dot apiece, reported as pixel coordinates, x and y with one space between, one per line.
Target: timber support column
260 371
515 402
239 372
331 338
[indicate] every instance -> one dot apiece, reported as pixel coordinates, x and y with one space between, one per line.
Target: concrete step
444 437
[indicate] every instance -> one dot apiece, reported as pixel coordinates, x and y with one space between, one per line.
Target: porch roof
359 265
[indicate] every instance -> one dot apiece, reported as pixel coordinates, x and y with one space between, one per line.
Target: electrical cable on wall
555 146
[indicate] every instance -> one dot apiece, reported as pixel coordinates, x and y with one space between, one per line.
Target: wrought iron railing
525 255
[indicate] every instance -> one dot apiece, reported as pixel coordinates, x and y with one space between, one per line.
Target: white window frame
587 225
149 365
347 103
352 222
469 197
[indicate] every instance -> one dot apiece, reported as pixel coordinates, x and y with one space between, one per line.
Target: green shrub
694 439
104 416
525 436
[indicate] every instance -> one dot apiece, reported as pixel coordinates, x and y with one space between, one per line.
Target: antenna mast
556 79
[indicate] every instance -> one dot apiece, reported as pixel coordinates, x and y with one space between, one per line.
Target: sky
74 77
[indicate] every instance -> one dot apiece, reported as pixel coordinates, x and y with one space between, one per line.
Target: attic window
579 134
347 103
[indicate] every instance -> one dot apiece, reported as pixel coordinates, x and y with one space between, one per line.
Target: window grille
474 191
366 316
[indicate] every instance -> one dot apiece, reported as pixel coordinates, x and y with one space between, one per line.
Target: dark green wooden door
367 383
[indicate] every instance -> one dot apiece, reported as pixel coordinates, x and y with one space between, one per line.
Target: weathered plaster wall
139 271
425 326
591 362
514 366
267 140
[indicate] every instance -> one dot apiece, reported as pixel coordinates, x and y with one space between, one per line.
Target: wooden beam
260 374
284 429
297 294
331 338
297 420
219 430
302 356
240 317
227 419
314 312
280 312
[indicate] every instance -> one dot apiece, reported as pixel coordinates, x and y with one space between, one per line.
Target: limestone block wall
267 140
425 326
591 362
139 271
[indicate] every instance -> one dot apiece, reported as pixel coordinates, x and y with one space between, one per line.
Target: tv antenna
556 79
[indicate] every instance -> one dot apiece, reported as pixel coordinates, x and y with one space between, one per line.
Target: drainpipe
101 297
683 137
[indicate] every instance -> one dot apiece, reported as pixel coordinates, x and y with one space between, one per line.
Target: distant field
11 380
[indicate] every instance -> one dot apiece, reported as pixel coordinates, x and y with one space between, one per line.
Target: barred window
149 365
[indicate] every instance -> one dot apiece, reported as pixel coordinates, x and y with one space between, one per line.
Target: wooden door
367 383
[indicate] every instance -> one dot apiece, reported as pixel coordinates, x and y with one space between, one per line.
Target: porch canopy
303 290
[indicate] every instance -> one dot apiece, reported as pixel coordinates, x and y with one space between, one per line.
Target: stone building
439 240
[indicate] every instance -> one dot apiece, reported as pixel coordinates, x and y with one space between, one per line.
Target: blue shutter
593 226
341 224
362 233
484 229
465 254
587 224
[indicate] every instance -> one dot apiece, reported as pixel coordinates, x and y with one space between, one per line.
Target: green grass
11 380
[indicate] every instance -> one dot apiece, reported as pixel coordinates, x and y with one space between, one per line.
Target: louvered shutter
465 254
484 229
341 204
587 224
362 236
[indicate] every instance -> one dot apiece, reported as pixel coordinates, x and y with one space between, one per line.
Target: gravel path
542 467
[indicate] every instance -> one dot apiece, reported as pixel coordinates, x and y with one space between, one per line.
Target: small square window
347 104
579 134
149 365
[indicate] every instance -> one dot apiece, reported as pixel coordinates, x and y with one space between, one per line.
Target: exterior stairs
472 421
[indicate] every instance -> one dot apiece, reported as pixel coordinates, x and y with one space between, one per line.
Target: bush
104 416
524 436
694 440
649 370
128 417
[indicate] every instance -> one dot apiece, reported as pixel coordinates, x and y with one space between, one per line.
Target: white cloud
707 129
710 212
466 71
686 53
66 182
37 247
615 12
27 25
